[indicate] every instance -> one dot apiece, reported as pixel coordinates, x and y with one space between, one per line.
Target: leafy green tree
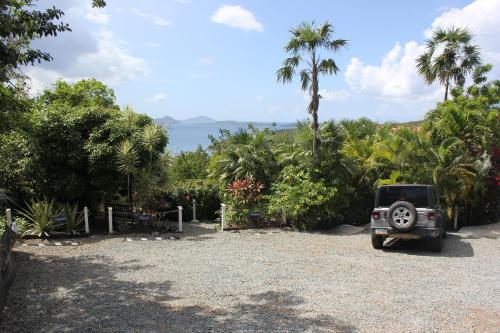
75 129
450 56
14 110
127 160
190 165
17 162
305 46
89 93
20 24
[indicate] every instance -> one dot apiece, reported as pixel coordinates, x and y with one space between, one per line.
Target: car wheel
402 216
436 243
377 241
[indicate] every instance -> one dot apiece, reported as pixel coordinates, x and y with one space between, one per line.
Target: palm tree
127 160
251 158
450 56
307 40
151 136
453 173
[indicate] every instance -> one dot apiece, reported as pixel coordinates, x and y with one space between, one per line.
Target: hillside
166 121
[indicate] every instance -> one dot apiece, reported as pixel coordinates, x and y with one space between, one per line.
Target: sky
186 58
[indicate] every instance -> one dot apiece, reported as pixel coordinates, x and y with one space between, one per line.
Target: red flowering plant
247 190
244 194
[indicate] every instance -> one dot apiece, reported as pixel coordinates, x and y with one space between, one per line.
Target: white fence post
222 216
8 212
86 217
194 211
180 218
110 219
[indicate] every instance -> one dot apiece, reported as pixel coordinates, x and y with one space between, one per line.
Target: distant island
188 134
168 122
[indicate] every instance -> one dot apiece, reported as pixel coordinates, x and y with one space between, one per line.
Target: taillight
376 215
431 216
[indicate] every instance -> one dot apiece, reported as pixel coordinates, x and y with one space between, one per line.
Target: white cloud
259 98
397 78
237 17
157 98
106 62
159 21
334 95
97 15
206 61
184 2
482 17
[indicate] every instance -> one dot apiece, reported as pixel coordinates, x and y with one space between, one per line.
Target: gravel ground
257 281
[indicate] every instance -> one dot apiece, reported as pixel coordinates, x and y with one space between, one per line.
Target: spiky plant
39 215
127 160
74 219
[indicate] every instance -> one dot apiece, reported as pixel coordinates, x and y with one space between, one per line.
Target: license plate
381 231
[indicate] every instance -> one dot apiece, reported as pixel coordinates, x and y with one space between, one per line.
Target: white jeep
407 212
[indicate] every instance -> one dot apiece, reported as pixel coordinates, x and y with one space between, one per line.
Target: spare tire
402 216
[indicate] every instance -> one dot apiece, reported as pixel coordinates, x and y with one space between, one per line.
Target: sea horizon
184 137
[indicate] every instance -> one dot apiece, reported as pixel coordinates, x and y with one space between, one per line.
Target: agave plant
74 219
39 215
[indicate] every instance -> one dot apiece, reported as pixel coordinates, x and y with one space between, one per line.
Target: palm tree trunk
314 125
314 112
128 187
447 86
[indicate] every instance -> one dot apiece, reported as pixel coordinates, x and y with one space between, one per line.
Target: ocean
187 137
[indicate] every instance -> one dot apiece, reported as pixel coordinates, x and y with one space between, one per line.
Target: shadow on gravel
453 247
82 294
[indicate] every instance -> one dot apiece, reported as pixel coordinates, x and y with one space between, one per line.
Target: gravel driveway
257 281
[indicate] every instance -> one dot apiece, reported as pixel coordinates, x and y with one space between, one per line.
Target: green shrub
306 201
206 193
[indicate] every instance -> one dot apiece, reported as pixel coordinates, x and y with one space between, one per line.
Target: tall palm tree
127 160
151 135
304 46
450 56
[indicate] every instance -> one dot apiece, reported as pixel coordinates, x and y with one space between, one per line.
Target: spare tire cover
402 216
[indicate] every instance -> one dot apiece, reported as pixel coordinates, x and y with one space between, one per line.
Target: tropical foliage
450 57
73 144
305 46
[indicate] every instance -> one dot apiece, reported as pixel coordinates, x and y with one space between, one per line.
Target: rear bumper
412 234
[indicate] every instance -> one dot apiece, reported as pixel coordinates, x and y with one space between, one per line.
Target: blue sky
185 58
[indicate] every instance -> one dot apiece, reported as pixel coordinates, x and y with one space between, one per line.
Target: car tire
377 241
410 217
436 243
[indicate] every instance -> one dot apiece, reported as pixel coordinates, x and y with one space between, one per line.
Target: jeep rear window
414 195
